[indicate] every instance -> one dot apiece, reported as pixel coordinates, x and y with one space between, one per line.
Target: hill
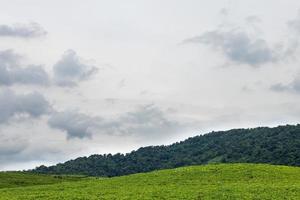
221 181
21 179
280 146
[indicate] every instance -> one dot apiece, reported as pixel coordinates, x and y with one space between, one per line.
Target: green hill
221 181
279 146
21 179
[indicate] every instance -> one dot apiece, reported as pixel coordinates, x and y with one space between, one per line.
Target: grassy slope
225 181
19 179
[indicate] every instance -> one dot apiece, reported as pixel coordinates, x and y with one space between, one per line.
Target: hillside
280 146
222 181
21 179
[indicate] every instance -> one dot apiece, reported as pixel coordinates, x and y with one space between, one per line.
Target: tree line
279 145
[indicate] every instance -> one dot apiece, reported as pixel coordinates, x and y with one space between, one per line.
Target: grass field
224 181
19 179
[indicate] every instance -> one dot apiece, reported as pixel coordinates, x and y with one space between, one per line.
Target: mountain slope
222 181
280 145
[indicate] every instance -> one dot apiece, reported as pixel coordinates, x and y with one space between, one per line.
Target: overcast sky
92 77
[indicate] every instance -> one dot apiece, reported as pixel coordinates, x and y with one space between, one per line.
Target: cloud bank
144 122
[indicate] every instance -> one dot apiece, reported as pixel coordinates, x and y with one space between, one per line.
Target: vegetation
221 181
280 146
21 179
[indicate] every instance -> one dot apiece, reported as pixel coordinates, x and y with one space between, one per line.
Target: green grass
224 181
19 179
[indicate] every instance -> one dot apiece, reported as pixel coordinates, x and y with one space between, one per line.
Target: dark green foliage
280 145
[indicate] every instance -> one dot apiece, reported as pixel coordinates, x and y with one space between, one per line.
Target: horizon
98 77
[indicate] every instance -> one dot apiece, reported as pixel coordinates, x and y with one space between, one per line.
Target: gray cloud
295 24
8 146
279 87
11 73
31 30
8 58
237 46
252 19
293 39
11 151
70 70
75 124
11 104
146 122
293 86
33 74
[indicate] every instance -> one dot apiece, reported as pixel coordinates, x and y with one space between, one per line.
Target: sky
93 77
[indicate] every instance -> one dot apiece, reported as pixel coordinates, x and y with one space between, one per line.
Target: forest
279 146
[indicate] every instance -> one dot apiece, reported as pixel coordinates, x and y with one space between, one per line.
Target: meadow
216 181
